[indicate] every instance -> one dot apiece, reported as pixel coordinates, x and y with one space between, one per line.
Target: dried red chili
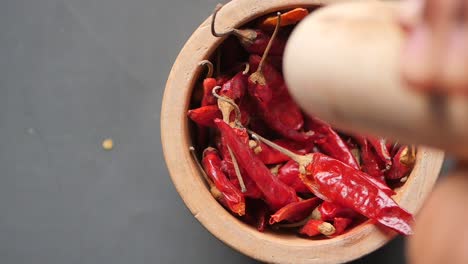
230 161
276 106
231 196
337 182
235 87
328 211
275 193
205 115
380 147
207 99
371 164
208 84
331 143
403 163
341 224
296 211
213 189
289 18
317 227
289 175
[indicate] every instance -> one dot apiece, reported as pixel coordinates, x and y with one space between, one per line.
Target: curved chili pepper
341 224
276 106
275 193
403 163
225 154
235 87
232 90
329 211
296 211
289 18
379 184
380 147
284 116
205 115
316 227
371 164
213 189
254 41
231 195
331 143
252 190
207 99
289 175
208 84
336 182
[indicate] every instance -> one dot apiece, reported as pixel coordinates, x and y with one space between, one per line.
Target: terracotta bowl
269 246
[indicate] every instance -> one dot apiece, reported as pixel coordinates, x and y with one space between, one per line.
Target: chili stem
326 229
235 32
270 43
202 171
209 66
213 19
230 102
247 68
302 160
237 170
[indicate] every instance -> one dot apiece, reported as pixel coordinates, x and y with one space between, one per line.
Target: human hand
441 234
435 56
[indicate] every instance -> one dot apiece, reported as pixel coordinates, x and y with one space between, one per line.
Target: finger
427 43
440 13
454 72
418 65
443 17
442 219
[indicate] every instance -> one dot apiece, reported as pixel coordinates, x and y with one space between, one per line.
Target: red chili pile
272 165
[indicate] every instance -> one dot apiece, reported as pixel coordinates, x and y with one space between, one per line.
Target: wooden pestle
342 64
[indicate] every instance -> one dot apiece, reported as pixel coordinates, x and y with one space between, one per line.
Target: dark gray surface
73 72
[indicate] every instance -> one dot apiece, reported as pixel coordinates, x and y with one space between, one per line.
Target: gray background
73 72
